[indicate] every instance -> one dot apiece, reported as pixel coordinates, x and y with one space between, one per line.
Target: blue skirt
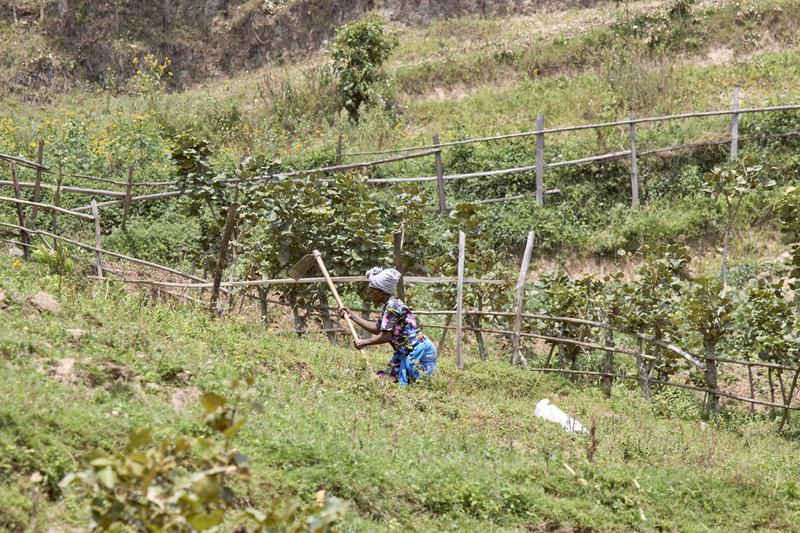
420 362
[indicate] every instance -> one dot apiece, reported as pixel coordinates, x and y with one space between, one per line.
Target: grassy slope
463 453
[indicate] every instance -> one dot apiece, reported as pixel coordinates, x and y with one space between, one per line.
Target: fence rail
539 166
522 328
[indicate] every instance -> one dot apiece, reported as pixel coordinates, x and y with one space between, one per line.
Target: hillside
204 38
465 452
223 140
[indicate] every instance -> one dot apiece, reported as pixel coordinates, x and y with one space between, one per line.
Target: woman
414 353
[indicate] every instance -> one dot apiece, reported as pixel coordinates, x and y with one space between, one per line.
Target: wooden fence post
98 256
126 203
519 298
24 237
608 364
37 188
230 221
460 301
735 125
440 175
397 237
339 150
540 160
634 166
56 203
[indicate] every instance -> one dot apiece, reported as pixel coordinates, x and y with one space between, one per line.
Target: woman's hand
345 312
359 343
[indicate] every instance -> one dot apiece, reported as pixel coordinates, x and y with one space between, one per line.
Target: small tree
708 310
648 303
789 217
358 51
481 260
732 183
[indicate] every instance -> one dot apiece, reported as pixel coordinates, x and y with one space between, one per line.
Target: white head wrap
383 279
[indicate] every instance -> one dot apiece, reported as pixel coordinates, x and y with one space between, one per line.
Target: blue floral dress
414 353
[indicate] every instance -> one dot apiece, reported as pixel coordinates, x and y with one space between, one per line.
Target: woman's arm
368 325
381 338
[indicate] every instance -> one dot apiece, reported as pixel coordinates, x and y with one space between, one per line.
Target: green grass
462 453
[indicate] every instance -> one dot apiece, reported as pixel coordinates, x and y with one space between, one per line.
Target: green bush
169 239
358 51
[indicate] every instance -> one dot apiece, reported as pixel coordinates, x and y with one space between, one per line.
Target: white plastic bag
548 411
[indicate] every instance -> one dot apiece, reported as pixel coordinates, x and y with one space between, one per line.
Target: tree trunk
166 14
443 337
475 323
710 377
299 320
726 239
263 304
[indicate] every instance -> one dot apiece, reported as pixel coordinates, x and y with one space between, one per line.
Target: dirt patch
716 56
181 398
45 302
65 371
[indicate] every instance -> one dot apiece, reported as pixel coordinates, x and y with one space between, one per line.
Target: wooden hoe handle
335 292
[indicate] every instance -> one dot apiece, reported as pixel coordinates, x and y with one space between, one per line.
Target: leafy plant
187 483
358 51
647 304
789 217
57 259
708 310
732 183
768 323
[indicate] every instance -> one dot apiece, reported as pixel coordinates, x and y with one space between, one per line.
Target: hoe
304 265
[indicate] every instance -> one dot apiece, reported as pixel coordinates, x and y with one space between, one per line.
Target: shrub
358 51
186 483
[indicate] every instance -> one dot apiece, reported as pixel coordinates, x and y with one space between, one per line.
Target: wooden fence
26 228
435 151
643 362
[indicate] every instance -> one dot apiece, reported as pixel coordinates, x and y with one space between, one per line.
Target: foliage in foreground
464 451
187 483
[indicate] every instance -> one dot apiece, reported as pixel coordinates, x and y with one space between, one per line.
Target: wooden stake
339 150
24 237
56 203
540 161
440 175
230 221
126 203
752 390
460 301
37 187
634 165
608 364
518 300
98 256
735 125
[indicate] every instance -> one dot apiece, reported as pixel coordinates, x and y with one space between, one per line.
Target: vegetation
710 261
463 451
